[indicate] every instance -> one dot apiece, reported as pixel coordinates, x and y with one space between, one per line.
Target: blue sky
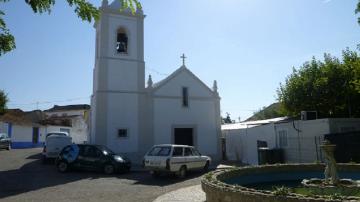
248 46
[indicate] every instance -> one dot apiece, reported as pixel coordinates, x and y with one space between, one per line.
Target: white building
76 118
300 139
25 129
129 117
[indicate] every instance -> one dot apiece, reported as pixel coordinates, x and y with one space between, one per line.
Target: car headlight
119 159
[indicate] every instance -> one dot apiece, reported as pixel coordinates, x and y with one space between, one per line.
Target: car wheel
44 159
9 147
182 172
206 167
62 166
109 169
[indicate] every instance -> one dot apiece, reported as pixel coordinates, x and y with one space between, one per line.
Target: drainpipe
299 142
276 138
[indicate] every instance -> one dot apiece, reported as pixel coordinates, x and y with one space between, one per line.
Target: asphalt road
24 178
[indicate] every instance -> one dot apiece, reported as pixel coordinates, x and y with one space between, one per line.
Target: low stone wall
218 191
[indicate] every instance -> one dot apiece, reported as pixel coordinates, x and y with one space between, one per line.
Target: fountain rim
215 179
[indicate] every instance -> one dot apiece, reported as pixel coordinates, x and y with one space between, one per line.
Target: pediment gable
182 77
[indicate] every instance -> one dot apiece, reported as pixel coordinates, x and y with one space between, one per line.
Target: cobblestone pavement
24 178
188 194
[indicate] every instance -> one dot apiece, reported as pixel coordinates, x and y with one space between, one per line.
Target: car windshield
105 150
160 151
61 134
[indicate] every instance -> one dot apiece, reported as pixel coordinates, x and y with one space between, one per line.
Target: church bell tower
119 78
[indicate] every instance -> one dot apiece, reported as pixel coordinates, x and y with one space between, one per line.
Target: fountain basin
251 184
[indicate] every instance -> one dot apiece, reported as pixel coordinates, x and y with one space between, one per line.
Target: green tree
3 101
227 119
84 10
328 87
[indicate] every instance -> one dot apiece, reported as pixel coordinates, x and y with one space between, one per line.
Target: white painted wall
241 143
80 129
3 127
21 133
122 113
301 143
66 113
183 79
200 114
169 113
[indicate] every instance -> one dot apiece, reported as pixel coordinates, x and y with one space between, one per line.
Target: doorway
184 136
35 135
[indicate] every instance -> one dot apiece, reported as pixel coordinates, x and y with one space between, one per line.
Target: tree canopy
330 87
84 10
3 101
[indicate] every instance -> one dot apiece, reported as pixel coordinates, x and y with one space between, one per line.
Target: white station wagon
175 159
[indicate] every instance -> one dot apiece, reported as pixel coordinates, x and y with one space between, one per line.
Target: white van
175 158
54 143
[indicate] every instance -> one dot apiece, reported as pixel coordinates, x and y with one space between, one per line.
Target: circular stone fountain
331 182
284 182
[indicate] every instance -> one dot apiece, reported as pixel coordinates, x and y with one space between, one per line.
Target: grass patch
337 193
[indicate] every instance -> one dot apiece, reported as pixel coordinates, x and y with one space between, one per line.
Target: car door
199 161
177 158
90 158
190 158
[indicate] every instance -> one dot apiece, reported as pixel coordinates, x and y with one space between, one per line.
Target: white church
130 117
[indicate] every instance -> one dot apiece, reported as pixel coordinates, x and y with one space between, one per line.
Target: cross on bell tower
183 57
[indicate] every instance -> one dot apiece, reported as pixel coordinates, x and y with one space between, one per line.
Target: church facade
130 116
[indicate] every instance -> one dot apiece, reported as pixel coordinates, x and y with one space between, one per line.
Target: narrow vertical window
122 41
185 97
283 138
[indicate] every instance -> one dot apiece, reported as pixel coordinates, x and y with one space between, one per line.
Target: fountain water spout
331 175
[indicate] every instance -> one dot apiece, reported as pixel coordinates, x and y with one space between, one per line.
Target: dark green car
92 158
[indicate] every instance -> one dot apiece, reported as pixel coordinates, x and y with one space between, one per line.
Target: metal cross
183 59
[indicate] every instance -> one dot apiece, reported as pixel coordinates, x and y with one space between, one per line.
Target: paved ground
187 194
24 178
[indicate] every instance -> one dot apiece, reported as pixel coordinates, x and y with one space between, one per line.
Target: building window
122 41
283 139
122 132
185 97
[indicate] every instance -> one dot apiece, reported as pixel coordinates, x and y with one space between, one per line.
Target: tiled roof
18 116
68 108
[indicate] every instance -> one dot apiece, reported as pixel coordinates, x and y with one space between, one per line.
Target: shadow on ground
34 175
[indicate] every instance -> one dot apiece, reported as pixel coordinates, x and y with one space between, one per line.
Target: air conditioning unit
308 115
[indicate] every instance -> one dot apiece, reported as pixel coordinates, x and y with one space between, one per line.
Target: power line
49 102
156 71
